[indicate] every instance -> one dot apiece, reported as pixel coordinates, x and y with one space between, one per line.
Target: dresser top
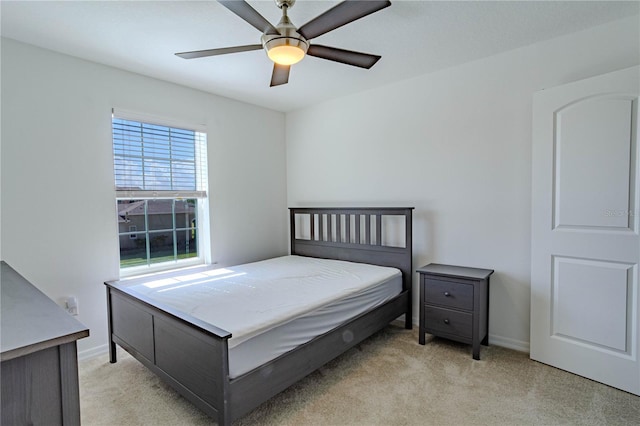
455 271
29 320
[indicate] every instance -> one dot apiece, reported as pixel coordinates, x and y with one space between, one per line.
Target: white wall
456 144
58 200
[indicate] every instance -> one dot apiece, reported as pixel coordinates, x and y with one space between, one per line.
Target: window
161 197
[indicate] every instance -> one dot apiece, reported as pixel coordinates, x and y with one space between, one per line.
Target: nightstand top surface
455 271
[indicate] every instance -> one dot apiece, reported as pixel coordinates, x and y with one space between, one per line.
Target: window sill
141 271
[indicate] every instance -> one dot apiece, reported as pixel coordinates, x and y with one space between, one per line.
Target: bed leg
408 315
112 345
223 418
112 352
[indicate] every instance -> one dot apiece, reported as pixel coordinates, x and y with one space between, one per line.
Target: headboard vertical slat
367 229
378 230
358 240
347 226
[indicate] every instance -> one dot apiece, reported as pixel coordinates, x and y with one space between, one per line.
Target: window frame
201 194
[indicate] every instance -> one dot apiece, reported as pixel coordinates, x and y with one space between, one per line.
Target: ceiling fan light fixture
286 50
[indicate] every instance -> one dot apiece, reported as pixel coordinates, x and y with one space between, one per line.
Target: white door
585 250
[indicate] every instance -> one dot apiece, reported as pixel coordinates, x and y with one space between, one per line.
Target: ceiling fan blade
339 15
249 14
280 74
357 59
222 51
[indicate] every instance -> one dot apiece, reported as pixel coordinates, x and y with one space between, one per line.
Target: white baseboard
506 342
93 352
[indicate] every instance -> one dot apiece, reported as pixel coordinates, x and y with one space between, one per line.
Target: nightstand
454 304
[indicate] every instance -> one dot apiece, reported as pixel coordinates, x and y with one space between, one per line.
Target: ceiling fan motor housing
287 3
288 36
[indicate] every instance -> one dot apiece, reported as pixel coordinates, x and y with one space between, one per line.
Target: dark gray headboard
358 234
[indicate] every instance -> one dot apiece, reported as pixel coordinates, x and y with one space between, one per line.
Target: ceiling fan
286 45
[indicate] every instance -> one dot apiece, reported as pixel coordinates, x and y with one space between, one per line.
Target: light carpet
389 379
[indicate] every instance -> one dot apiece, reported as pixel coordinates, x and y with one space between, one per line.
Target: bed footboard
191 357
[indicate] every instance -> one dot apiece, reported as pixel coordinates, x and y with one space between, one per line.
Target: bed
187 341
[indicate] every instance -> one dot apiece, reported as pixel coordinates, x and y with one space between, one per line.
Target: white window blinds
158 160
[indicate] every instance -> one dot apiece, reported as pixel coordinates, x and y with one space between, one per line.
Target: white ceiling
413 38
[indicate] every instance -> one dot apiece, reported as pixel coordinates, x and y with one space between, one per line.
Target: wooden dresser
39 376
454 303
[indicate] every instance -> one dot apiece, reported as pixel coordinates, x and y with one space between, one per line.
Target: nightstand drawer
450 294
448 321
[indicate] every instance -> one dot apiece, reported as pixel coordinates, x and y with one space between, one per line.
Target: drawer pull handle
446 294
446 320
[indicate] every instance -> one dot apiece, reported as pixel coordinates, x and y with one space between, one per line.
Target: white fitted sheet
272 306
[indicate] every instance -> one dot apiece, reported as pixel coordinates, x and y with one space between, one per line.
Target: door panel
589 302
585 247
592 179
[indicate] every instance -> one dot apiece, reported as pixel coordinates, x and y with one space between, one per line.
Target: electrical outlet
71 305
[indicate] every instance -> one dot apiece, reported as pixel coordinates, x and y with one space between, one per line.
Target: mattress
272 306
